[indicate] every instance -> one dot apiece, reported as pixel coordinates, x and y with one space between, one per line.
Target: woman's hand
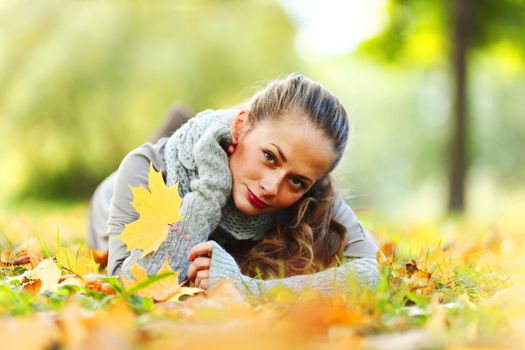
199 270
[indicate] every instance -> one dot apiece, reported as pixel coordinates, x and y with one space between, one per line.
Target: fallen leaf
79 262
439 265
48 272
387 253
418 280
160 290
185 291
158 209
100 257
100 286
27 257
32 286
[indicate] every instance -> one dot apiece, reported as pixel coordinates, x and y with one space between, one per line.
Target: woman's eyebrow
280 151
284 159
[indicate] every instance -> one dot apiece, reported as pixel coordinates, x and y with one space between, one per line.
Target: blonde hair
306 237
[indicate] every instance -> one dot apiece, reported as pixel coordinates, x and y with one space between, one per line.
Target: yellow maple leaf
160 290
158 209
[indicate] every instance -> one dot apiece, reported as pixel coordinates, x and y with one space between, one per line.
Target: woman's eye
297 182
269 157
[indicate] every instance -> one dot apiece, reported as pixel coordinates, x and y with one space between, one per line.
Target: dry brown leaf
32 286
100 286
25 256
100 257
417 280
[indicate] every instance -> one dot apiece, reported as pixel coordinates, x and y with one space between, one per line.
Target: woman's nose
270 185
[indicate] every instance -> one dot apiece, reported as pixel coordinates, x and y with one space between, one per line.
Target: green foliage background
84 82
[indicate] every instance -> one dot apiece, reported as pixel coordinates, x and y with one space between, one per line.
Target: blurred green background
84 82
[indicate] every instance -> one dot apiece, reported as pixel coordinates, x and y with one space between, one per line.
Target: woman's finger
201 275
203 248
203 284
199 263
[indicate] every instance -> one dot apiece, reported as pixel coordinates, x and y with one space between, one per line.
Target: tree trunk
461 10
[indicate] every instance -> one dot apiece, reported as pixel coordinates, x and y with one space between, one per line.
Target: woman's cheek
289 199
253 168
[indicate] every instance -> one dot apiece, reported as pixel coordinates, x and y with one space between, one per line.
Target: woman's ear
240 121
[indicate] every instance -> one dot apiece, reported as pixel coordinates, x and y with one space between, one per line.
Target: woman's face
274 162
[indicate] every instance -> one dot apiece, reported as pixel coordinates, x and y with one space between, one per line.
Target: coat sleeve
357 273
359 270
97 220
133 171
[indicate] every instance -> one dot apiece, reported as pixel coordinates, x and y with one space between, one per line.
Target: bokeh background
84 82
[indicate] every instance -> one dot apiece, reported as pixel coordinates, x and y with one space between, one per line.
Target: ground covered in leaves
453 284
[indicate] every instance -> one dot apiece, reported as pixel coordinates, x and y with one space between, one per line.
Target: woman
257 197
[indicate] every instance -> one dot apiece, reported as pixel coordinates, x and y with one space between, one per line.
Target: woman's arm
97 223
133 171
360 250
221 265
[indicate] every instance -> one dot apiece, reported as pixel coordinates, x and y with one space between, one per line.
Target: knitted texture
242 226
194 156
223 266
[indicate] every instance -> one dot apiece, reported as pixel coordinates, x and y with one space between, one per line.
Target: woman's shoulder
359 242
134 167
152 152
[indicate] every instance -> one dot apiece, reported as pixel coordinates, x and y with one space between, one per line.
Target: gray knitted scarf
191 153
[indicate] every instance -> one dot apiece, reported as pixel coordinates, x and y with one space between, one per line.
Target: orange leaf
100 286
387 253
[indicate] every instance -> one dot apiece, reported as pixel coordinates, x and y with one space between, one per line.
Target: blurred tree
461 27
84 82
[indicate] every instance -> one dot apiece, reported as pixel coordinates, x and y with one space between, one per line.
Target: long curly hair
306 237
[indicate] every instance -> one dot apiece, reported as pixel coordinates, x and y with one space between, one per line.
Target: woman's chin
249 210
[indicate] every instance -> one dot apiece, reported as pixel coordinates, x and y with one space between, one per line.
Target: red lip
256 201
